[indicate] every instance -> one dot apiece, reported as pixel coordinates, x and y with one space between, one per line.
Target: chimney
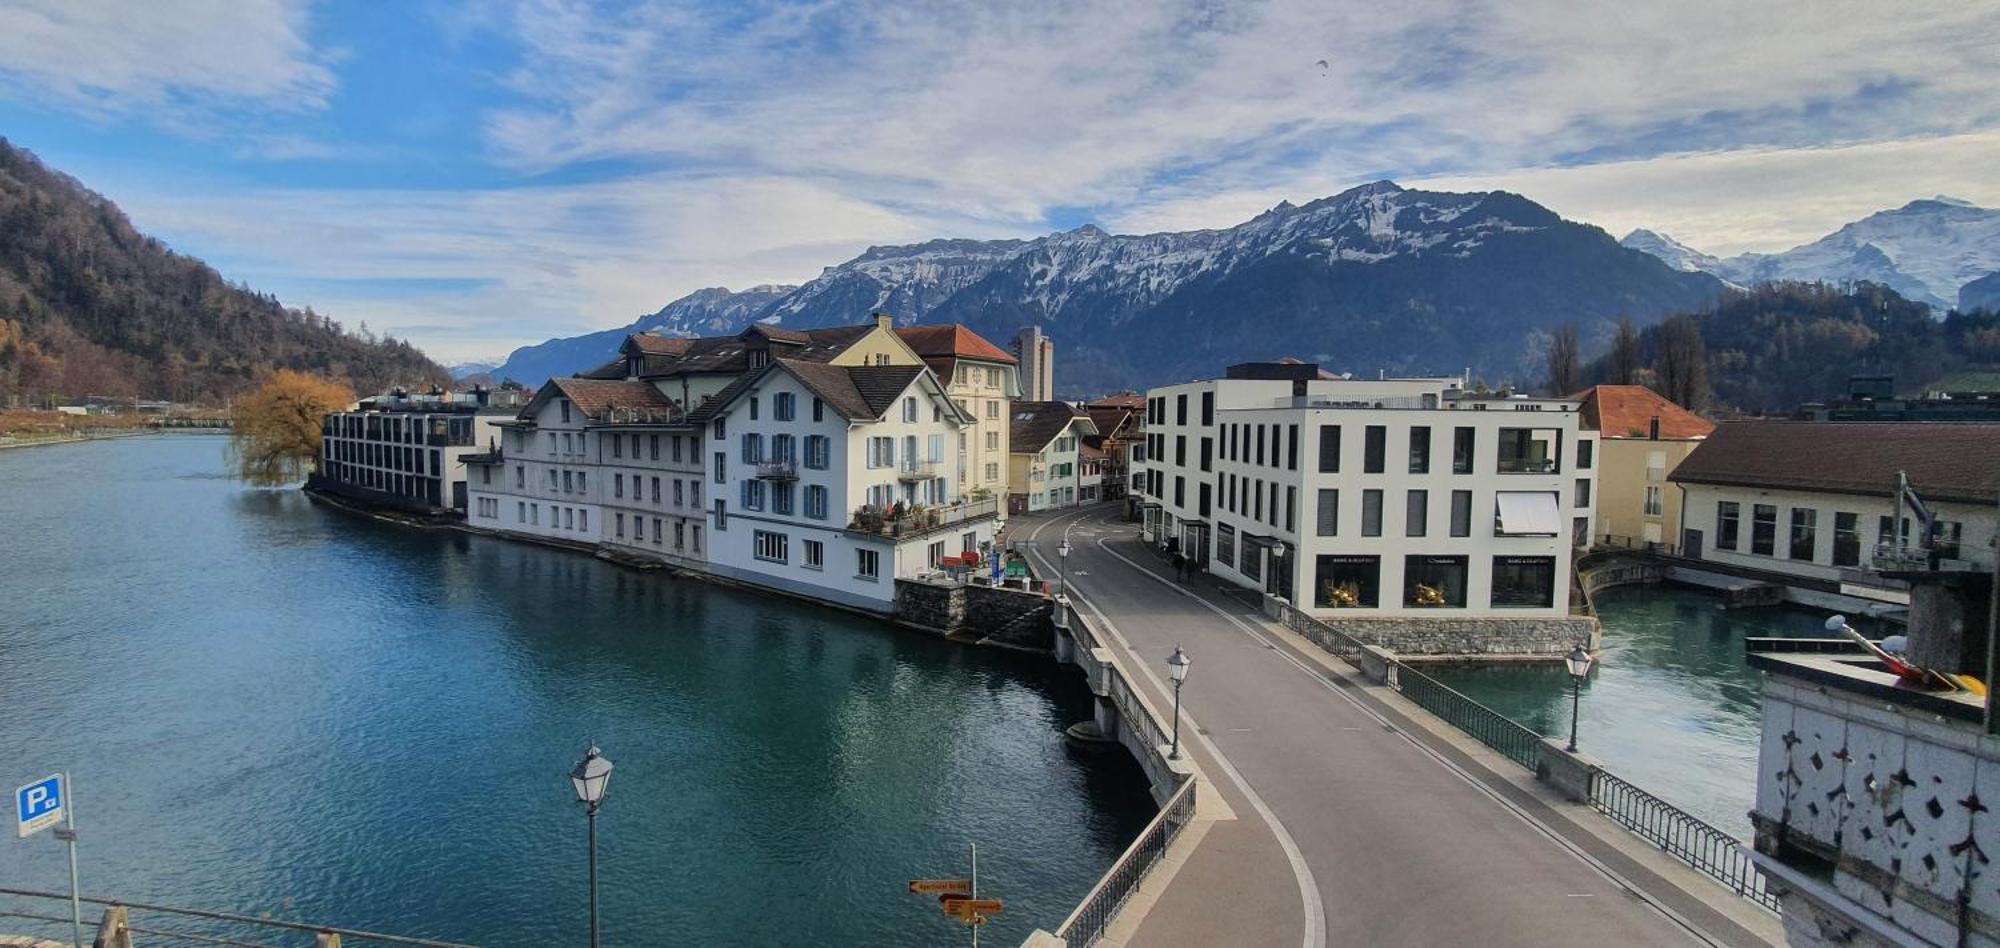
885 322
1653 431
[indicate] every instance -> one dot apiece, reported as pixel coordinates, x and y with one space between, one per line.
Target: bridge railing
1675 831
192 925
1086 924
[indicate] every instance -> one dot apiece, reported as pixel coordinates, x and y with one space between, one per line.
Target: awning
1527 514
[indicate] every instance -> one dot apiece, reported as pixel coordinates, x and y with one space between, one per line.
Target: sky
474 177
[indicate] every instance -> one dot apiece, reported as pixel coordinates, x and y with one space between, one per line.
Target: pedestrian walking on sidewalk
1180 567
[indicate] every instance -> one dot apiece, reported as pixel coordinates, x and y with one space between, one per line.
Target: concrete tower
1038 364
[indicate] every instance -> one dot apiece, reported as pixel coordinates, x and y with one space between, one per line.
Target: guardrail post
1375 662
114 931
1571 774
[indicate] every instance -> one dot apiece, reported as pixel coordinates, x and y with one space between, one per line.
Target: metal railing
1086 925
1133 712
1518 742
1681 835
229 922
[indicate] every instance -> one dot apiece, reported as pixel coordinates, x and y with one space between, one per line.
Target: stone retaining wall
993 615
1551 636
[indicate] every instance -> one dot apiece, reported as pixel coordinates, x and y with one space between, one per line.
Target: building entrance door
1691 544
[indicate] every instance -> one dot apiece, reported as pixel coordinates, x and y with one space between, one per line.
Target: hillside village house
1117 420
1641 438
1815 503
823 463
406 451
1407 498
983 379
1047 455
1090 472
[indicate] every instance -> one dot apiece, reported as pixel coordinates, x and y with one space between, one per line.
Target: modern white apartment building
984 380
1389 498
1817 501
406 451
824 463
1048 455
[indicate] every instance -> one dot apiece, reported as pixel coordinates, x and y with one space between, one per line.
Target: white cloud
170 61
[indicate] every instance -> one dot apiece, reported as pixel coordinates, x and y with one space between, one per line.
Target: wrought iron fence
1681 835
1133 712
1085 925
1338 644
1515 740
215 928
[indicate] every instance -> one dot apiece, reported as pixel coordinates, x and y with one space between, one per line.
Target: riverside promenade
1351 816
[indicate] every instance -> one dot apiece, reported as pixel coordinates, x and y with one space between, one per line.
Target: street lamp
1062 555
1177 669
1278 571
1579 662
591 776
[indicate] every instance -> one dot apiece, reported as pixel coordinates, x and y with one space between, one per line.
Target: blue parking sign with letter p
39 805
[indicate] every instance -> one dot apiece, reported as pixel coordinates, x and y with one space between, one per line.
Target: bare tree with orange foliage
275 434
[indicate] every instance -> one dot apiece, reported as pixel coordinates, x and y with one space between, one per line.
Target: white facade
1821 535
652 492
1386 498
548 484
806 500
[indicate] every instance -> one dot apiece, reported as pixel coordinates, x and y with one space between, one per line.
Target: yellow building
983 379
1642 437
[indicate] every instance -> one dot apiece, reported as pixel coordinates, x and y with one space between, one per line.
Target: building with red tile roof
1642 437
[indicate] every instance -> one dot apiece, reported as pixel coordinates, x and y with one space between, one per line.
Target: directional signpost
960 898
40 805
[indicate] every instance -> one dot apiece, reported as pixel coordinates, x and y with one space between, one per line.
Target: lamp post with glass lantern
1177 669
1578 662
591 775
1062 556
1279 578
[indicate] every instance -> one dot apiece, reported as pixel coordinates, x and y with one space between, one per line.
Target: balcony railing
917 520
779 470
1527 465
917 470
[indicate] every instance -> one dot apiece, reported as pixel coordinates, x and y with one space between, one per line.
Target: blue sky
480 177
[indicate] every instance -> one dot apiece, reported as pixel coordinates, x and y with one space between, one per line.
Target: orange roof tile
952 340
1627 411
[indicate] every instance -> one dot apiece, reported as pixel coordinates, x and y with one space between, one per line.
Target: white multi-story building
406 451
1817 501
1047 455
983 379
1386 498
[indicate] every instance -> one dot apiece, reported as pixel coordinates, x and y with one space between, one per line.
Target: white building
1047 463
1398 497
1815 502
405 451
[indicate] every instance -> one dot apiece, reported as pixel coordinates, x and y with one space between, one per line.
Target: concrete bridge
1335 812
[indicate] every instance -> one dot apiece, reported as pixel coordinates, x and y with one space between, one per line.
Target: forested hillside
1771 347
90 306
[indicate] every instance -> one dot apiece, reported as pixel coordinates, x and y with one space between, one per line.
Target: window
564 403
721 428
1374 450
1727 513
655 445
569 518
813 555
816 502
1208 454
1528 450
520 511
781 498
680 493
1805 533
619 519
867 563
881 452
656 490
934 554
1655 503
656 531
583 482
753 407
1260 445
1416 513
1347 582
1291 447
1461 513
753 447
721 514
618 485
1763 529
993 410
1327 524
1329 449
1371 513
909 408
567 480
993 441
721 467
1846 539
520 477
783 406
1180 491
1524 582
769 546
818 452
1420 450
1180 450
1583 453
583 520
1180 409
1436 582
753 494
1207 409
1291 509
618 448
1225 545
1204 494
819 409
1583 493
1461 450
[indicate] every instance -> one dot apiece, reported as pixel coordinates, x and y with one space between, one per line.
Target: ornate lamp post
1062 556
1177 669
1579 662
1280 578
591 776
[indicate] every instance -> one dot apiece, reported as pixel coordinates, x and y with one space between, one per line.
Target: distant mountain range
1925 250
1375 278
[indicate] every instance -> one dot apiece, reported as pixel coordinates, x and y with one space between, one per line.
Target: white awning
1527 514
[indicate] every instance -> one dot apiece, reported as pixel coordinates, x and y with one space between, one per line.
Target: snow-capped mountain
465 370
1925 250
1377 277
705 312
1678 255
1980 294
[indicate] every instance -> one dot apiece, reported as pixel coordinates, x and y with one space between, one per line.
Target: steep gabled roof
1945 462
854 392
1627 411
952 341
1035 424
1129 401
594 397
658 345
1110 420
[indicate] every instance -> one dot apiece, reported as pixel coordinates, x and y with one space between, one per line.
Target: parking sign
39 805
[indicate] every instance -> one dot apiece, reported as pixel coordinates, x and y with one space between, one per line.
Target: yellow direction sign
941 886
967 909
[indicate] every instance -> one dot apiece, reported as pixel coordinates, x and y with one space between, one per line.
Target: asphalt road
1351 830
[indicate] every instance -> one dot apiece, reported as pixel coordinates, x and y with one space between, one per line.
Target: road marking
1315 910
1321 677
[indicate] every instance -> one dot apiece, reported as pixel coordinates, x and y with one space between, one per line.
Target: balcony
917 470
781 470
902 521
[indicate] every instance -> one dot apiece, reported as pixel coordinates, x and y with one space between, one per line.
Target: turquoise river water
272 707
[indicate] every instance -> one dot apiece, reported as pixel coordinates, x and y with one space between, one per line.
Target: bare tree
1565 362
1625 353
1682 365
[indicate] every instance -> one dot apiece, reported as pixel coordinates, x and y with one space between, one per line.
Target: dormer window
564 403
760 358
